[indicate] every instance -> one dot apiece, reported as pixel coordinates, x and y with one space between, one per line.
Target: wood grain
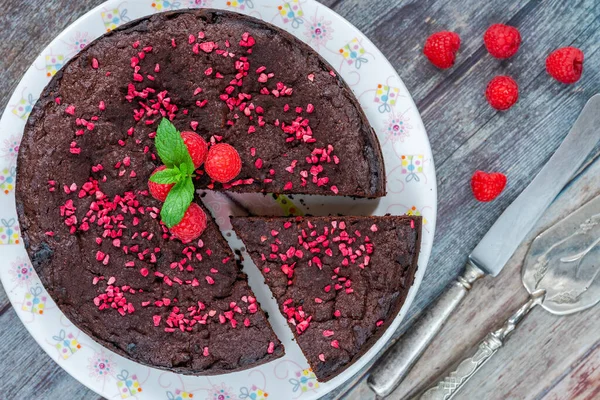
543 359
30 373
542 348
582 381
27 27
465 133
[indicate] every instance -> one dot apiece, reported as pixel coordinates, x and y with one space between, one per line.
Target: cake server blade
560 273
507 233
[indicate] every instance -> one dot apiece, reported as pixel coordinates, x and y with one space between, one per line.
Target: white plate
411 189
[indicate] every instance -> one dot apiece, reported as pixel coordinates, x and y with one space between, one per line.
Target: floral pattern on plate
407 154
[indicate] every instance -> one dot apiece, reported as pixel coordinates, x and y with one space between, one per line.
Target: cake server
494 250
561 275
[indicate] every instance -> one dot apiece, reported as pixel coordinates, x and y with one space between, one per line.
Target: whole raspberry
223 163
159 190
565 64
502 41
441 47
502 92
487 186
197 147
192 225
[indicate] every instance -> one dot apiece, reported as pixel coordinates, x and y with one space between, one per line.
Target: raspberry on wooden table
487 186
223 163
441 47
159 190
502 92
192 225
565 64
502 41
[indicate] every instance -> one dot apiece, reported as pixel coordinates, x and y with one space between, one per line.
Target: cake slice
339 281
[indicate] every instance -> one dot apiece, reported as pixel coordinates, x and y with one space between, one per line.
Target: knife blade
494 250
507 233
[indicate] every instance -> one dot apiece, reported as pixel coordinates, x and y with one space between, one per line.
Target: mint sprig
180 169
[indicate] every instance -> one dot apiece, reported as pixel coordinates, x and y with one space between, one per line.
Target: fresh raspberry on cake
502 41
565 64
159 190
487 186
441 47
192 225
502 92
197 147
223 163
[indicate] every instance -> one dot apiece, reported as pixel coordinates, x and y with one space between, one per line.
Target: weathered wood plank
26 372
535 359
465 134
27 28
517 142
330 3
541 349
460 110
582 383
460 106
399 30
4 303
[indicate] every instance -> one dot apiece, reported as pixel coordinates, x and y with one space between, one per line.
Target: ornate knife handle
395 364
455 380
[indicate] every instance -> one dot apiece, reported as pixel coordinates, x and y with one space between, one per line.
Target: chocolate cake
339 281
91 228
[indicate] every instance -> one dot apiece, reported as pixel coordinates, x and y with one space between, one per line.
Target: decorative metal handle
395 364
455 380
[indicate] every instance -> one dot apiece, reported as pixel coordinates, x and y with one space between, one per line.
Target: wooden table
549 357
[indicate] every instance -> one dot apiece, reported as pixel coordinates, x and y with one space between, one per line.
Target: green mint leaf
170 146
186 169
189 165
166 176
179 199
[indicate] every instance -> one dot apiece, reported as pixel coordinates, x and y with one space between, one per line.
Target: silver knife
494 250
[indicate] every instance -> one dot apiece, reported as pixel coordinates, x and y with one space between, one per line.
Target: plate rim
424 255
